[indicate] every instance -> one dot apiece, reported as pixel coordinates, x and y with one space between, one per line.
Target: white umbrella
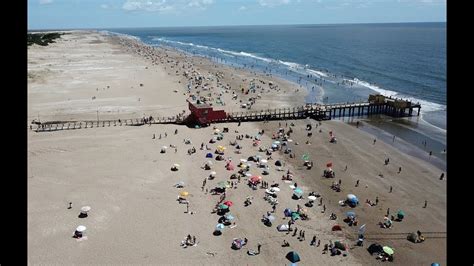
312 198
81 228
248 174
292 187
213 173
243 160
264 161
164 147
276 142
276 189
85 208
290 140
176 165
209 162
269 191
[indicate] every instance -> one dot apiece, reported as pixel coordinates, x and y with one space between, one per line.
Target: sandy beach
119 172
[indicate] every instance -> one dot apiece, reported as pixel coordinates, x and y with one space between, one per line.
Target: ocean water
336 63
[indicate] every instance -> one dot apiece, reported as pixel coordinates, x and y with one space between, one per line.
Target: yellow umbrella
184 193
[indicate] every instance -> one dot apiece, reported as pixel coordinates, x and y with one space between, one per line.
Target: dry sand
121 174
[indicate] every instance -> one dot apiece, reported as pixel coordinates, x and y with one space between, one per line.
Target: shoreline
129 175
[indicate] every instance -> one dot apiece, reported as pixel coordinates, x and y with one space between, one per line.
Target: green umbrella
305 157
223 207
295 215
400 214
388 250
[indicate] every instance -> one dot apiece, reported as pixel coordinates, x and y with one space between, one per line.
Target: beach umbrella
230 167
209 155
289 140
388 250
248 174
329 164
271 218
176 165
276 189
375 248
217 130
400 214
184 193
293 256
255 179
243 166
295 215
312 198
351 197
336 227
228 203
164 147
339 245
276 142
223 207
263 161
277 163
223 184
350 214
209 163
287 212
81 228
229 217
298 191
243 160
219 227
85 209
305 157
212 173
269 191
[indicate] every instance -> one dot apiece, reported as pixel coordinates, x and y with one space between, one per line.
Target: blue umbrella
219 227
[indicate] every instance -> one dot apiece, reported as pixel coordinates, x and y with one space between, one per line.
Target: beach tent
278 163
219 227
352 200
293 256
375 248
350 214
238 243
282 227
209 155
287 212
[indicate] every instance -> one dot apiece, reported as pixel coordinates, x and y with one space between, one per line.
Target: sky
87 14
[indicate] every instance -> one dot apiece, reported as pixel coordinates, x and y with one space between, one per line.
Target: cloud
165 5
272 3
242 8
44 2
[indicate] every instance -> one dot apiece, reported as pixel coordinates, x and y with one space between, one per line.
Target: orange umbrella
255 179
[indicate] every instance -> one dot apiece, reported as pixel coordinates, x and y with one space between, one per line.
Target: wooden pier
376 105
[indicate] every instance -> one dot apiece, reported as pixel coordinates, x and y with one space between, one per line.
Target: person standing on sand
399 169
313 241
388 212
357 183
426 204
296 230
259 246
153 136
319 243
166 134
273 208
345 169
324 208
375 141
390 189
376 200
441 177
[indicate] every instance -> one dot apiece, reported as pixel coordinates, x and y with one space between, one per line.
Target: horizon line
240 25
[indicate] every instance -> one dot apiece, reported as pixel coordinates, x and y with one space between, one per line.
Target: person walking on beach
273 208
159 137
166 134
319 243
70 205
376 200
375 141
296 230
399 169
426 204
345 169
313 241
357 183
388 212
390 189
153 136
259 246
320 201
441 177
324 208
302 236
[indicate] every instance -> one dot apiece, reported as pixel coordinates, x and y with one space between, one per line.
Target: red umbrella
255 179
329 164
228 203
230 167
